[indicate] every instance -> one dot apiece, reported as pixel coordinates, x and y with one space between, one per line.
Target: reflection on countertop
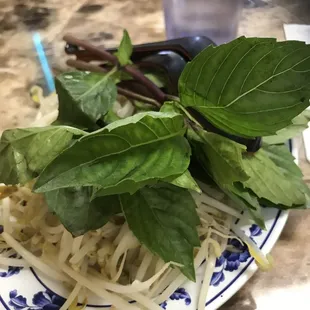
102 22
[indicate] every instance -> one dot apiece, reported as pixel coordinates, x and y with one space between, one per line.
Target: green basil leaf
77 212
125 50
123 157
62 123
143 107
247 201
111 117
283 158
272 182
159 78
84 97
223 158
25 152
170 106
186 181
164 219
269 204
299 124
249 87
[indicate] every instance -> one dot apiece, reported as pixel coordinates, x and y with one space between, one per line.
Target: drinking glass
215 19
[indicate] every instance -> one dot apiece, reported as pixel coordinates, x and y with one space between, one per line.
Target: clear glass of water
216 19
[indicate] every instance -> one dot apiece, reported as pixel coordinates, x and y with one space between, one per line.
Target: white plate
27 289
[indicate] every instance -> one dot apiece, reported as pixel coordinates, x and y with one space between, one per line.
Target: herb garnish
140 165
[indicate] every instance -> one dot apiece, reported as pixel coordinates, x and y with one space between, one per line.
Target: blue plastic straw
43 62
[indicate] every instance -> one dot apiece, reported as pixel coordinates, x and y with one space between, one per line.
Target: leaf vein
234 69
92 88
253 69
220 66
264 82
279 92
289 54
149 128
200 72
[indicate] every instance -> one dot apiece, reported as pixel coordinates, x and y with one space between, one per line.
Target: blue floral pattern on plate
179 294
11 270
46 300
232 258
255 231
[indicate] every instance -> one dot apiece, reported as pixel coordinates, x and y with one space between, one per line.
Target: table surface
102 23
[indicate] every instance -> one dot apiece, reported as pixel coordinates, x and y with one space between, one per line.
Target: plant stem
81 65
158 94
189 116
111 72
173 98
139 76
100 52
135 96
177 102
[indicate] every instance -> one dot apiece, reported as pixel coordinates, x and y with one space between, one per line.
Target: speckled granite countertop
102 21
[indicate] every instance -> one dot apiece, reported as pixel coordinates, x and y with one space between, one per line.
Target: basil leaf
283 158
143 107
125 50
122 157
269 204
61 123
271 182
249 87
299 124
186 181
164 219
170 106
223 158
25 152
247 201
84 97
77 212
158 78
110 117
